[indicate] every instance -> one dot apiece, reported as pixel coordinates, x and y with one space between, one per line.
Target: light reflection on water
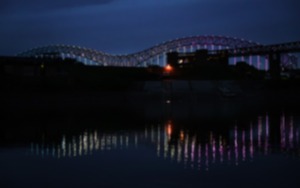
192 150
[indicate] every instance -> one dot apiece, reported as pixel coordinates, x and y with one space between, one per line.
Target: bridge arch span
155 55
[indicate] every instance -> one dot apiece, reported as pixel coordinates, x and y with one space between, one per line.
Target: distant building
200 58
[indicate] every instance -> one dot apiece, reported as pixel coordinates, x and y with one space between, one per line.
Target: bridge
253 53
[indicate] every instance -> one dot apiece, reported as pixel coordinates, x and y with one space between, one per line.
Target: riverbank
178 98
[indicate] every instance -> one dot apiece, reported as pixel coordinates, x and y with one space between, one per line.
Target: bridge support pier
274 64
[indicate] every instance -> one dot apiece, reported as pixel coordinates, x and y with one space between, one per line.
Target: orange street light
168 68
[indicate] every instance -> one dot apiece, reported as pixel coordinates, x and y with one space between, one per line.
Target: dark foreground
158 137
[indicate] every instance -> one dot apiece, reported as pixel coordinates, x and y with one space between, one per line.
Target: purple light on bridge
266 64
258 62
250 60
243 58
235 58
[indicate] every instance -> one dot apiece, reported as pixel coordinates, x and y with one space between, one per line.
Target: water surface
259 151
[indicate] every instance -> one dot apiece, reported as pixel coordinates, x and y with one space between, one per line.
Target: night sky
126 26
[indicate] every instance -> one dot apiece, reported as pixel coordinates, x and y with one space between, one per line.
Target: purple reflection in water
236 151
243 145
291 133
282 132
221 149
179 150
214 150
259 131
267 135
251 147
199 156
193 151
240 145
206 157
297 136
228 155
186 155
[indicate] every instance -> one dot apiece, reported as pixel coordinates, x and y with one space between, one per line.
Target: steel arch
137 59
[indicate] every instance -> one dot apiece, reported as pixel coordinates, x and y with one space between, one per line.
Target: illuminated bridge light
87 56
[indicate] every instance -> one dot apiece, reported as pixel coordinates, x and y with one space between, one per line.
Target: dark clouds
75 3
124 26
7 5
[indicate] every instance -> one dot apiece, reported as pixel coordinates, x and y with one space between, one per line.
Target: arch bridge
239 50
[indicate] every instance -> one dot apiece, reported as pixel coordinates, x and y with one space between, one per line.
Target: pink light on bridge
258 62
266 64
